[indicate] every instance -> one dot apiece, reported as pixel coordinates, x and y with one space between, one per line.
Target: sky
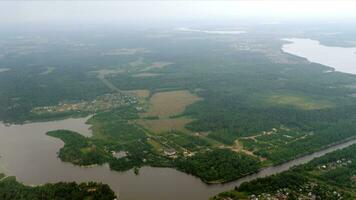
26 12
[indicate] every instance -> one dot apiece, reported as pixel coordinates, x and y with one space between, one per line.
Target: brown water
27 153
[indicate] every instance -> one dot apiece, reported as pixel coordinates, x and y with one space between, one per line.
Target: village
335 164
101 103
305 192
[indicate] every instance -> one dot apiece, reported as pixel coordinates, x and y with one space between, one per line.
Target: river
342 59
30 155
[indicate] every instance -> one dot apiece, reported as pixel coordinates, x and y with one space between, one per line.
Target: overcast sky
22 12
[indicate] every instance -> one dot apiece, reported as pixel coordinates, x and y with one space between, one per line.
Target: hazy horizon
133 13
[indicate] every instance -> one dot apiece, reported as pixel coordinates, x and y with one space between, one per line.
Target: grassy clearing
145 75
157 146
301 102
157 65
101 74
164 125
126 51
48 71
166 104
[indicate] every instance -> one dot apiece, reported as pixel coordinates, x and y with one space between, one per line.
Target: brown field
164 125
165 104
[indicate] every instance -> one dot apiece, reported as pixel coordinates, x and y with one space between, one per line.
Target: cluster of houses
306 192
280 195
104 102
171 153
119 154
333 165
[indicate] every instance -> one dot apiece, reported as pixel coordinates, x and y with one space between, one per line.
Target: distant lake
220 32
29 154
342 59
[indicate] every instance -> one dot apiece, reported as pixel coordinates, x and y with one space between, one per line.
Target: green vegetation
223 136
299 102
210 100
78 149
219 165
102 103
112 133
10 189
151 117
329 177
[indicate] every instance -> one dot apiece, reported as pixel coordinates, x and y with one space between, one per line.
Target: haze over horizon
16 13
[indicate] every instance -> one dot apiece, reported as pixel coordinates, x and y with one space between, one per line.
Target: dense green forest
10 189
219 165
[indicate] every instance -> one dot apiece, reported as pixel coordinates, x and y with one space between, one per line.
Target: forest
219 165
10 189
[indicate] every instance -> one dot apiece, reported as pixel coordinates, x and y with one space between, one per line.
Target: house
169 152
119 154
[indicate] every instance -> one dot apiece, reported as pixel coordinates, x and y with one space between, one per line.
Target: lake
30 155
342 59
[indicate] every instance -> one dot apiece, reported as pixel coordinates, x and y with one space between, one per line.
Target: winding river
30 155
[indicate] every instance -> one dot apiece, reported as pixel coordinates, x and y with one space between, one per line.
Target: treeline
10 189
289 179
218 165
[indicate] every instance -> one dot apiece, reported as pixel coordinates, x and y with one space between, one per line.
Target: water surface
342 59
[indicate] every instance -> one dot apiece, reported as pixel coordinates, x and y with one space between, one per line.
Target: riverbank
43 166
328 177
